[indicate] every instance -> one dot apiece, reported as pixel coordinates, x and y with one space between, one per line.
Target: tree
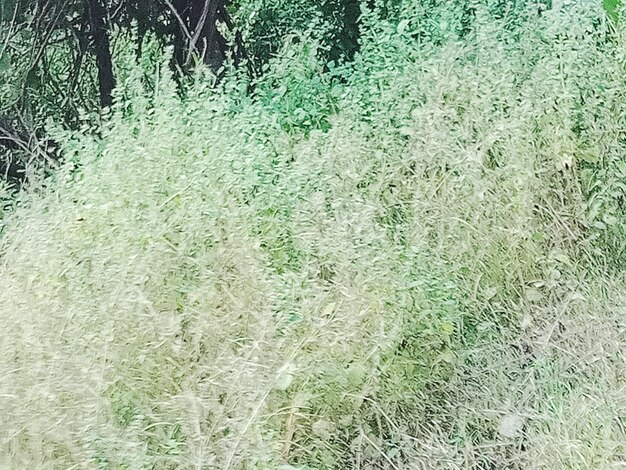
198 32
44 81
99 26
29 30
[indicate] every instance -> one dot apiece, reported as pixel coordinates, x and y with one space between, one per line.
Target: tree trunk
99 24
212 45
200 19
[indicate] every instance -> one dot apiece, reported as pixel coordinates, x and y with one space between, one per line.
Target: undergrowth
412 262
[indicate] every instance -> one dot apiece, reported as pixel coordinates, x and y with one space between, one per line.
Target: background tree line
57 56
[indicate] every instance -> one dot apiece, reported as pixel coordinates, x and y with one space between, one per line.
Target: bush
388 265
333 24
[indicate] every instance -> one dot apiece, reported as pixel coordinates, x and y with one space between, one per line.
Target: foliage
297 90
612 7
333 24
409 261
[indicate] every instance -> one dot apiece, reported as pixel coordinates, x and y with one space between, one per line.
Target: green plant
396 263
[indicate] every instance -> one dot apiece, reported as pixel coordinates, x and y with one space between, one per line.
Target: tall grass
402 269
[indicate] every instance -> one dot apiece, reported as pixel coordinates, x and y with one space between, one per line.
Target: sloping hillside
414 263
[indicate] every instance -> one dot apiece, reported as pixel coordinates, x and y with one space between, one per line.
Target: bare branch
180 20
198 31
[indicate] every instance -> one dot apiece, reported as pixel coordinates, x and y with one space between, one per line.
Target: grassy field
416 266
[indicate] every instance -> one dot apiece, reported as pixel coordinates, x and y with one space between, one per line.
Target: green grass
409 278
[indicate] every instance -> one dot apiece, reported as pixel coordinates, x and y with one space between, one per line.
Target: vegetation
401 251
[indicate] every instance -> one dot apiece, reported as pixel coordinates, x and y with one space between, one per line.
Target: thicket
57 59
401 251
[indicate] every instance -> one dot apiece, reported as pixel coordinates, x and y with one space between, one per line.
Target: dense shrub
334 24
401 263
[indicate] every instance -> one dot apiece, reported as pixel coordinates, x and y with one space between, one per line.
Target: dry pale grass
417 288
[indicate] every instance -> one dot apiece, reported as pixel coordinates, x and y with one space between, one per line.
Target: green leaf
610 220
611 7
285 377
402 26
5 63
538 237
533 295
447 328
